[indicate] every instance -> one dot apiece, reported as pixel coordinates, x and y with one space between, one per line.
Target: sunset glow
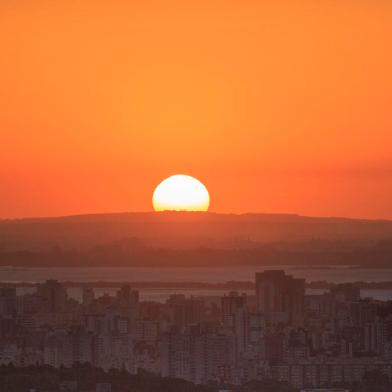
279 106
181 193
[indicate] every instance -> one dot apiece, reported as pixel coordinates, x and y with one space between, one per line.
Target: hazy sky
276 106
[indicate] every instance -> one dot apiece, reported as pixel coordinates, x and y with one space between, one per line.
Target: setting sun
181 193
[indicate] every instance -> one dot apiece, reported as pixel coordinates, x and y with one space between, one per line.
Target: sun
181 193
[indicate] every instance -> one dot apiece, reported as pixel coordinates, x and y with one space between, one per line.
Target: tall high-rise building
215 358
185 311
280 297
128 297
128 305
230 305
346 292
198 357
53 296
375 337
88 296
256 328
235 318
176 353
7 301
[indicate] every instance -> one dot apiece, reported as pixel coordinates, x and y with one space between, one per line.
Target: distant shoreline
233 285
277 266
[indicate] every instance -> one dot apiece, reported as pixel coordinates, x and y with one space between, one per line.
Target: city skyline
277 332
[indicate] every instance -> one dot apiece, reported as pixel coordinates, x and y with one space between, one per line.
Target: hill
169 238
185 230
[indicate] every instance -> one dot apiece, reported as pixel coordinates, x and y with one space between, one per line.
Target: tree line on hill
129 252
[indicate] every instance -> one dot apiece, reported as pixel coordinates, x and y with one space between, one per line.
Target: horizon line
151 212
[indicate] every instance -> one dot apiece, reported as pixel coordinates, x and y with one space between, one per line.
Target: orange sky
277 106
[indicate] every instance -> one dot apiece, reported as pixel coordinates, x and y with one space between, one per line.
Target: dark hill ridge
186 230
